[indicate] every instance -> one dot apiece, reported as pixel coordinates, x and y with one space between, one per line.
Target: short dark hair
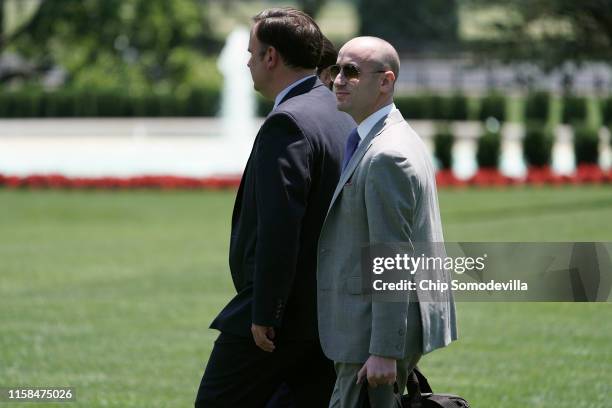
293 33
329 55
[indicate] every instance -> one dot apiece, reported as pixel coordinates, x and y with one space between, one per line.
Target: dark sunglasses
350 71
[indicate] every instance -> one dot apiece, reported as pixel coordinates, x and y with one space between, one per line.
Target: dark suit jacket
281 203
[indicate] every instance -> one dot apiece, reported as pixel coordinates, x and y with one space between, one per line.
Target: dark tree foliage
144 41
311 7
550 32
416 25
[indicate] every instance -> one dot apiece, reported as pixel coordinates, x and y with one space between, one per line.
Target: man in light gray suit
386 193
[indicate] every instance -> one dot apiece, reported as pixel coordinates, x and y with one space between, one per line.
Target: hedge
77 103
493 105
606 110
436 107
537 106
205 101
488 150
413 107
586 144
574 109
537 144
443 147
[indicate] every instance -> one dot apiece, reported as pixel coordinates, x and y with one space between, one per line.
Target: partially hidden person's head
329 54
284 43
364 76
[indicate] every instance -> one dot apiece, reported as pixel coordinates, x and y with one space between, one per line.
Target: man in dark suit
269 330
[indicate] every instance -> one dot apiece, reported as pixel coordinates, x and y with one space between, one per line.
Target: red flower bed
585 174
162 182
592 173
485 177
537 176
446 178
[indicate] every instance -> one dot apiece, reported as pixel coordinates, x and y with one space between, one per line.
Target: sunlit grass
112 293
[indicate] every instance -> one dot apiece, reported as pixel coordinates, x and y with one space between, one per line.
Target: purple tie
351 145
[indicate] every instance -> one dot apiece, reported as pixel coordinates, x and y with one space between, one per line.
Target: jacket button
398 347
400 332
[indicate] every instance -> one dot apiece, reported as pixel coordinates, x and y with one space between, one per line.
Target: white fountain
227 153
238 97
95 147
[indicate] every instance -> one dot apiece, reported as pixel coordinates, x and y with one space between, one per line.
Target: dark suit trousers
240 374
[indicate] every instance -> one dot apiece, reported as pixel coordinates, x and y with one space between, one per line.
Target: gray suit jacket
386 194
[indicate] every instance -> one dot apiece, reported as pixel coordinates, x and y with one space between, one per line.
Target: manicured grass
527 214
112 293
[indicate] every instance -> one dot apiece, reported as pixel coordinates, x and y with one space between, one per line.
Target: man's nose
339 79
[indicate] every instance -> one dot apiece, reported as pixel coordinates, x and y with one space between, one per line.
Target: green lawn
112 293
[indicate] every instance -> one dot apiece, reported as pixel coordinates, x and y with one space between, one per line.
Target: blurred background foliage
550 32
158 57
431 25
135 45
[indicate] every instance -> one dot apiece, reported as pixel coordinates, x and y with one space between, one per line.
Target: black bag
419 395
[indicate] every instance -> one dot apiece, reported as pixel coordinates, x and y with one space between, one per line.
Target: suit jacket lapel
391 119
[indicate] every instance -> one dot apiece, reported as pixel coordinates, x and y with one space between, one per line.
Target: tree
311 7
132 44
415 25
549 32
17 13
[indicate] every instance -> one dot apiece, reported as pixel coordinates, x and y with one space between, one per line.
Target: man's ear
387 81
271 58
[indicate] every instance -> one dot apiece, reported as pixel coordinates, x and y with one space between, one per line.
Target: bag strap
414 390
417 384
422 380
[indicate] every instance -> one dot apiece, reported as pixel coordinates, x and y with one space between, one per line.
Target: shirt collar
285 91
368 123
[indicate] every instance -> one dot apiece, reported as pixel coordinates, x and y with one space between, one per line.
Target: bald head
376 51
366 68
